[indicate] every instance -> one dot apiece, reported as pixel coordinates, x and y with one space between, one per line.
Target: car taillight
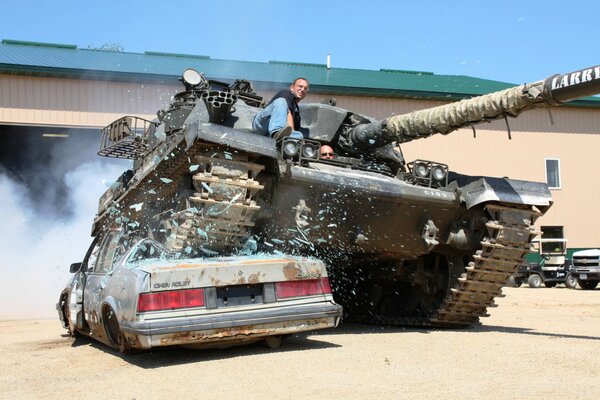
309 287
171 300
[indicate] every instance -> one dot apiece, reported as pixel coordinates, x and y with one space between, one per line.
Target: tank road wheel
549 284
397 300
571 281
440 273
587 285
534 281
114 332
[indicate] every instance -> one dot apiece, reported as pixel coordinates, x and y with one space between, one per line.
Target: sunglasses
327 155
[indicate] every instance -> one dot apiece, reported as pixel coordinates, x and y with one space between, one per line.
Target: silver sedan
140 295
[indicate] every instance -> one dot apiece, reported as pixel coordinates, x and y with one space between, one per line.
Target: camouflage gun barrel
551 91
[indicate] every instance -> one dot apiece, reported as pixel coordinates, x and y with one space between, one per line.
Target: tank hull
406 243
315 208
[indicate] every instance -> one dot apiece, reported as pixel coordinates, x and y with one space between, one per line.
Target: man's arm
290 120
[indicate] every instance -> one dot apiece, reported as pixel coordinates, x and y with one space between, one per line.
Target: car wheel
587 285
571 282
65 310
549 284
518 282
274 342
114 332
534 281
511 282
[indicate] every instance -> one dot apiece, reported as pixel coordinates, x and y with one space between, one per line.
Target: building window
553 173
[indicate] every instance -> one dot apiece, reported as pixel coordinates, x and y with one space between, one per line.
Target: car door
98 276
75 299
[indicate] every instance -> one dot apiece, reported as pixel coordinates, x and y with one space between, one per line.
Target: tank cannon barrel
552 91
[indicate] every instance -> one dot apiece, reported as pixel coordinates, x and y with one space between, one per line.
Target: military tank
407 243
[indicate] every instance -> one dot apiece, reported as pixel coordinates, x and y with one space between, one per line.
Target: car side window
112 248
91 261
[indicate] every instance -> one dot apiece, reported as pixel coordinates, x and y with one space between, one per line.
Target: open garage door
50 183
40 160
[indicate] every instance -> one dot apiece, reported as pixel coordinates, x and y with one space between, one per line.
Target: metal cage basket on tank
125 138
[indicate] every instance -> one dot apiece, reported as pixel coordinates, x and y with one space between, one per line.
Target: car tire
549 284
114 331
587 285
518 282
274 342
65 310
534 281
571 281
511 282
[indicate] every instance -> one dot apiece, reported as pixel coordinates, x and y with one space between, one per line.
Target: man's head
326 152
299 88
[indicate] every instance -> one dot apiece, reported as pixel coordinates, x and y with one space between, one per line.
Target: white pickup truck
586 268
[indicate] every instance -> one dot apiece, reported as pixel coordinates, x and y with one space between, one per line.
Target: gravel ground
537 344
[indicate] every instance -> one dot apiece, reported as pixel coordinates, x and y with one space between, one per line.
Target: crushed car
141 295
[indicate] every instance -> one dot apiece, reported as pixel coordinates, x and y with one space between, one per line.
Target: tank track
510 232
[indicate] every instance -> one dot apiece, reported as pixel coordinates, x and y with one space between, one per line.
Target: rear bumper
232 326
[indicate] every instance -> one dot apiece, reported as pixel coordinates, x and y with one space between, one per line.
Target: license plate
560 274
582 276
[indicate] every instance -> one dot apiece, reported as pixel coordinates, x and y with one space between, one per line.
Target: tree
108 46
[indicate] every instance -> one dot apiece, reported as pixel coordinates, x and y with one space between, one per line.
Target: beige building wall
76 102
574 137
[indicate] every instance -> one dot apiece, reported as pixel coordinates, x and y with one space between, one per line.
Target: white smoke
37 246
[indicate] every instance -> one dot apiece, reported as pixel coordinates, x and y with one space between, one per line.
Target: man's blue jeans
273 118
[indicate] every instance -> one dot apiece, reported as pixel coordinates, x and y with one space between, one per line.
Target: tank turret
412 243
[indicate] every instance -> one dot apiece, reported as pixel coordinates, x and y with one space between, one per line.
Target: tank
406 243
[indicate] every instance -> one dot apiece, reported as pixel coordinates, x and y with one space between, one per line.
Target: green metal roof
68 61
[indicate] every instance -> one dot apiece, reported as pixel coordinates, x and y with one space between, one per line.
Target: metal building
48 89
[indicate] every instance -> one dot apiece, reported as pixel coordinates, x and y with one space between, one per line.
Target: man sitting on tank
281 117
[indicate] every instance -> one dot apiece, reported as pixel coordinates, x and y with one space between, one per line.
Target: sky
510 41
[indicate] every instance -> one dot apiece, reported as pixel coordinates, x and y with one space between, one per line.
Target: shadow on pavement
168 356
525 331
357 328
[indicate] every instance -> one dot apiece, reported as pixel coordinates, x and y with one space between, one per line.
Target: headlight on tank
438 173
421 170
428 173
310 150
192 79
290 148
